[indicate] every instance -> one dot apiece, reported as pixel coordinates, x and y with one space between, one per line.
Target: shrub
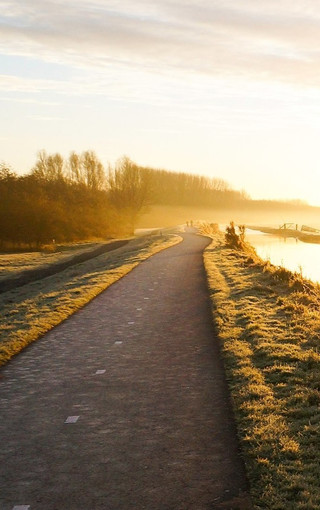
234 240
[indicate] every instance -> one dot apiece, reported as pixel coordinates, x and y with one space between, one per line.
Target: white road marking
100 372
118 342
139 309
131 322
21 507
145 298
72 419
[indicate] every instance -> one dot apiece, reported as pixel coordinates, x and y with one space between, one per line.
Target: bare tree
129 189
49 167
86 169
75 168
219 184
6 172
93 171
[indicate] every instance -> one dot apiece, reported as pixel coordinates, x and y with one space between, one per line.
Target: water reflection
287 252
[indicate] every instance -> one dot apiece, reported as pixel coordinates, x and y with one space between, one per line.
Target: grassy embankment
30 311
12 264
268 322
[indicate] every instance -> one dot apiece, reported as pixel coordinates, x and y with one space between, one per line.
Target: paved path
139 367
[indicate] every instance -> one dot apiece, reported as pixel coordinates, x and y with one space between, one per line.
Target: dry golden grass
269 323
30 311
11 264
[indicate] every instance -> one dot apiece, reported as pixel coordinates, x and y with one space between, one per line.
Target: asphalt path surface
125 405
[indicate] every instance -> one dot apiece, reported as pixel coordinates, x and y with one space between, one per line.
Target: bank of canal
288 252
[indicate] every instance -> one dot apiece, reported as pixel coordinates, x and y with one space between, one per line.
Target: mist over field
250 213
75 199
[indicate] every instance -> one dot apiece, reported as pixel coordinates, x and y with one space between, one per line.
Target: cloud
47 118
265 40
25 100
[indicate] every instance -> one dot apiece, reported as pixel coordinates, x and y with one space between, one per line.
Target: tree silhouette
129 190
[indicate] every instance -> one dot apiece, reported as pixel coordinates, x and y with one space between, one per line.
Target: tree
129 189
75 168
87 170
6 172
93 170
49 167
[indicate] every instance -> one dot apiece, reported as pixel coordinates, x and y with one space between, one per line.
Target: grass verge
268 322
30 311
12 264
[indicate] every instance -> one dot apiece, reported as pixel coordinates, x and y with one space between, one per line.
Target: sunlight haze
226 89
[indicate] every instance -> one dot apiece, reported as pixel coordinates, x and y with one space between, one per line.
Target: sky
222 88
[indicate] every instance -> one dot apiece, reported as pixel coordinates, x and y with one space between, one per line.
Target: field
12 264
268 323
30 311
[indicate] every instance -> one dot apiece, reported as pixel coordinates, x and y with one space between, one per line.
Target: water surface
287 252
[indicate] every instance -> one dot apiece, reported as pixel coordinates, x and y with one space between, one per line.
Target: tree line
77 198
172 188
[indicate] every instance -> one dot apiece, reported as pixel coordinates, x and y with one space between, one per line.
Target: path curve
125 405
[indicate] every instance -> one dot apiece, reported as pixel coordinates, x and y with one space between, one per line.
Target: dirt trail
139 372
31 275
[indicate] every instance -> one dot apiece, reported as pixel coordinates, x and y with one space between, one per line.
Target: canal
288 252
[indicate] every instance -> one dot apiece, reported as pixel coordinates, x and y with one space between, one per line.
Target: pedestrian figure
187 224
191 223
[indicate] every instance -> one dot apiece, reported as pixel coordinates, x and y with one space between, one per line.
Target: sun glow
225 90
